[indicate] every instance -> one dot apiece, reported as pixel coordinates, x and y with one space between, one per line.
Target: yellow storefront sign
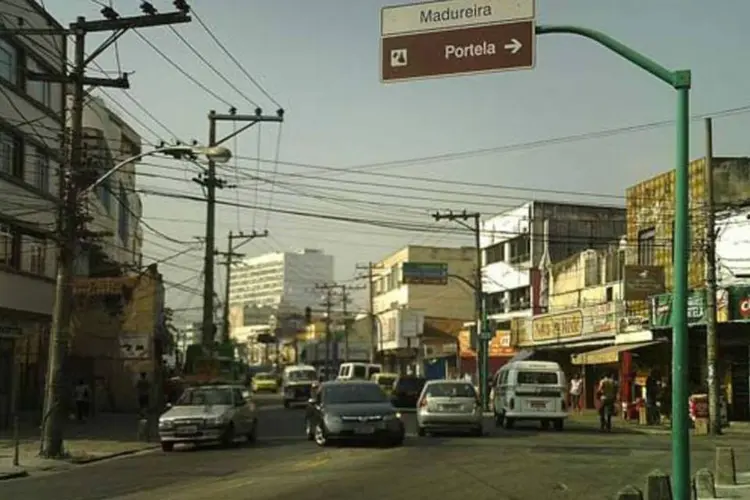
557 326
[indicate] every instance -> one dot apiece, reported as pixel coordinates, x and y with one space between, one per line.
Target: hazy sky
319 59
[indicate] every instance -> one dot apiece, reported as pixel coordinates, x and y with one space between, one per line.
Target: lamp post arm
106 175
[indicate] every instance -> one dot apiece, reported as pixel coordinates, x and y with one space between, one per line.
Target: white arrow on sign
514 46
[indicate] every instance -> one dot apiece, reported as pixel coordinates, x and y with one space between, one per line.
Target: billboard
424 273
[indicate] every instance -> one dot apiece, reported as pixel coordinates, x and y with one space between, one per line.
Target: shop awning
607 355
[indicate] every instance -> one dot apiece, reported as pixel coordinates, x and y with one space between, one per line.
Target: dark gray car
356 409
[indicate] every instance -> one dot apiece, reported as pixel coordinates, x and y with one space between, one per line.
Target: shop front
500 353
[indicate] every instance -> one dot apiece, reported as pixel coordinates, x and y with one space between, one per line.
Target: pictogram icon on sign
399 58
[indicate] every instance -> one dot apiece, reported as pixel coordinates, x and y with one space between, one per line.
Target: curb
13 475
109 456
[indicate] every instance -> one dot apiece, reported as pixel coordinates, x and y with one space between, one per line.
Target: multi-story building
519 243
280 280
31 127
114 206
406 311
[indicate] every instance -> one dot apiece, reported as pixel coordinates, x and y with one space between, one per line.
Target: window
520 249
124 216
495 253
8 62
39 90
37 251
520 299
104 195
40 169
646 247
495 303
536 378
10 148
7 242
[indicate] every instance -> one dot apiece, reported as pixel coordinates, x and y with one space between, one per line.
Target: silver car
448 405
209 413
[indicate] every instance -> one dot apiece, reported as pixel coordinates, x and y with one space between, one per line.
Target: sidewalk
105 436
591 417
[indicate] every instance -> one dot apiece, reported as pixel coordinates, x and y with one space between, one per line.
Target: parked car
208 413
342 410
406 391
448 405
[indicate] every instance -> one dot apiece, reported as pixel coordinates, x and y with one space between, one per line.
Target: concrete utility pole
482 335
230 254
370 267
211 183
712 338
345 289
76 179
328 305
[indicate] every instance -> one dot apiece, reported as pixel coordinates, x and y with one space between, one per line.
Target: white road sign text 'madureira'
443 14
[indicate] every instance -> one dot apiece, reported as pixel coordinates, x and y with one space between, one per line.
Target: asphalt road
525 463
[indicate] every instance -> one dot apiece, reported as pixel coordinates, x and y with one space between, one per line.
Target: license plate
187 429
538 405
449 407
364 429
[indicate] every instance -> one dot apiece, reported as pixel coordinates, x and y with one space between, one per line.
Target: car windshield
450 390
302 375
353 393
264 376
537 378
205 396
386 380
410 384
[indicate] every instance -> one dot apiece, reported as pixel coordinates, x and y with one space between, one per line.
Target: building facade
31 128
518 243
405 312
280 279
114 206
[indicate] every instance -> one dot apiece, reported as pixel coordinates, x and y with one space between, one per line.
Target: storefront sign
642 282
739 303
500 345
661 309
557 326
596 358
103 286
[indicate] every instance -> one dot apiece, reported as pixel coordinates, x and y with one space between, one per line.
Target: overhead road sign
497 47
449 14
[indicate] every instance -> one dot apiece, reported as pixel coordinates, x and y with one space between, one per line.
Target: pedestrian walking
576 389
82 396
652 394
143 389
607 393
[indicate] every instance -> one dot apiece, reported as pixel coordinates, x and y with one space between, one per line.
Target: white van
530 390
359 371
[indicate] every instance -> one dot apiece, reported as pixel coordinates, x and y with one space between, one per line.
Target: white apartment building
114 206
31 126
280 279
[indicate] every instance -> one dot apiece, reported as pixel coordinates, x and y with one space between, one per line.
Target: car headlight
392 416
333 419
166 424
216 420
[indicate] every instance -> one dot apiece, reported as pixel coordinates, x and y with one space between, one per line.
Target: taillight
512 403
423 402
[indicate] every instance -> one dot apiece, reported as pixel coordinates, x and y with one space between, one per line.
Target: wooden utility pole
230 254
712 341
76 180
210 182
370 267
328 304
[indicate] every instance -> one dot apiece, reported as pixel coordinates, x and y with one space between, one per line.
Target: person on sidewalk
143 388
652 393
607 393
576 389
82 398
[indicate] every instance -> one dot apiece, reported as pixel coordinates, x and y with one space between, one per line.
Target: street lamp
218 154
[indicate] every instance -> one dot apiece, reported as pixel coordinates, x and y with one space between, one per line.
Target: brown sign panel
497 47
641 282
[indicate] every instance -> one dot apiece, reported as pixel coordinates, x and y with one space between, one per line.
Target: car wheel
545 425
227 439
421 432
508 423
559 424
252 436
309 431
286 404
319 434
478 432
498 420
167 446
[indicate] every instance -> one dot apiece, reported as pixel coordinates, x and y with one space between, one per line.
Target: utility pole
328 305
712 338
369 267
230 254
210 182
75 180
482 336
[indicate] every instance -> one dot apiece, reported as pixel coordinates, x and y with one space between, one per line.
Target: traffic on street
523 462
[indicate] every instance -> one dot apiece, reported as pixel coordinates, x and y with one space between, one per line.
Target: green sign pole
680 81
